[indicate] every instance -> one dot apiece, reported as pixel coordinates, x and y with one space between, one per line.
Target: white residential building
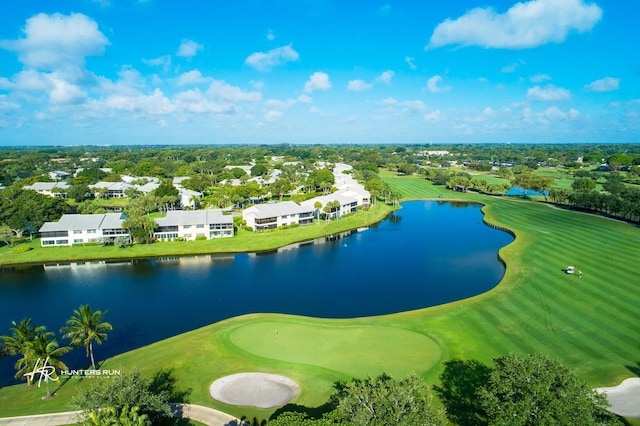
347 204
113 189
49 188
190 224
82 228
270 216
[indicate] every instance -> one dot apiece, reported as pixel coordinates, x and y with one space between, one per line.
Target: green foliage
86 327
259 170
459 384
127 390
20 208
534 390
21 249
384 401
110 416
322 176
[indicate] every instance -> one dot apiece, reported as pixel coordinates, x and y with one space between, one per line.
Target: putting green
357 351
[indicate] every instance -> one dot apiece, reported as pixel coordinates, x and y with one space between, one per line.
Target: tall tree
535 390
86 327
17 342
43 357
384 401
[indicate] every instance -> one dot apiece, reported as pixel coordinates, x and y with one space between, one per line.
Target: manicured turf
591 323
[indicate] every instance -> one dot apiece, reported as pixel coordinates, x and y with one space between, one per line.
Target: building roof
85 221
47 186
324 199
111 186
194 217
276 209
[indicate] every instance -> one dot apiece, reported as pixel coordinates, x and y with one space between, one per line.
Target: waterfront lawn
589 323
244 241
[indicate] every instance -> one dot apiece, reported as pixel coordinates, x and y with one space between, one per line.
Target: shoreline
262 242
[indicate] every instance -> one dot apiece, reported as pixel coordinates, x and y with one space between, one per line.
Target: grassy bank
244 241
589 323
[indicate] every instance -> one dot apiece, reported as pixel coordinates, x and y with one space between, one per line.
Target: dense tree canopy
535 390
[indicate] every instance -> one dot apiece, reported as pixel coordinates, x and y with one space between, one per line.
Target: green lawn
244 241
590 323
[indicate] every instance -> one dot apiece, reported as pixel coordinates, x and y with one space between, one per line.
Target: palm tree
86 327
43 348
21 335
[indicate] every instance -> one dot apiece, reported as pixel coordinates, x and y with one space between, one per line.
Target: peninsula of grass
243 242
591 323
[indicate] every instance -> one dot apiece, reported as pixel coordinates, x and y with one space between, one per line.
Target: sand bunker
624 398
254 389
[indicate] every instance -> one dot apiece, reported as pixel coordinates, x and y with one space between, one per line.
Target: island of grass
590 324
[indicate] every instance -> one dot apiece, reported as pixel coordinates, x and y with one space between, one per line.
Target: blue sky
318 71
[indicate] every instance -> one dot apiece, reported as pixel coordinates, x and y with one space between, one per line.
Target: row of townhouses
211 223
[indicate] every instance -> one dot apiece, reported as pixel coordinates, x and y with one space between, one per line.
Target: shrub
21 249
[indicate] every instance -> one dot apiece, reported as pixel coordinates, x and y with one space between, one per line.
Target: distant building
52 189
190 224
83 228
270 216
59 175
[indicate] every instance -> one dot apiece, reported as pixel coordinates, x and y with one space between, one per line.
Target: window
62 242
77 241
77 231
91 231
48 242
199 226
186 226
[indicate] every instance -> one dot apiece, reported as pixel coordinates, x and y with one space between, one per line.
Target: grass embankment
244 241
589 323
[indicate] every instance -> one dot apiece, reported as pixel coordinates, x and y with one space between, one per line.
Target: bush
200 238
21 249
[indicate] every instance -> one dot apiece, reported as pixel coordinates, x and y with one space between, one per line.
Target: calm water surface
426 254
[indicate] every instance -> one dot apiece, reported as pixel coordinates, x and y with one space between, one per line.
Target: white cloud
410 61
317 81
266 61
154 104
304 99
65 93
525 25
273 115
162 61
433 116
607 84
192 77
226 92
270 35
386 77
434 85
358 86
549 93
195 102
58 41
507 69
539 78
189 48
412 107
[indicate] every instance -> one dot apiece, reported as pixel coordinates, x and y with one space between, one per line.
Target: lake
426 254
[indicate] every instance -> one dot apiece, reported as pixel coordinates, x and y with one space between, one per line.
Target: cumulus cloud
189 48
162 61
433 116
539 78
607 84
434 85
358 85
192 77
226 92
525 25
317 81
53 42
273 115
265 61
548 93
66 93
386 77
